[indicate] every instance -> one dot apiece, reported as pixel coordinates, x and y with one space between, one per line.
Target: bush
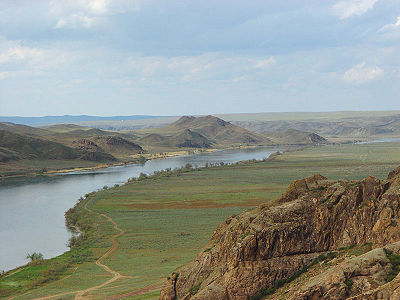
142 176
141 159
35 256
76 241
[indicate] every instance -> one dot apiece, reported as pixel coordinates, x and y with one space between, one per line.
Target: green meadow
166 219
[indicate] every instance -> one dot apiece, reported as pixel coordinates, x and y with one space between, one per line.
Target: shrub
35 256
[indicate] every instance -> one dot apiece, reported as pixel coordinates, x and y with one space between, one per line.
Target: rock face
116 144
86 144
252 251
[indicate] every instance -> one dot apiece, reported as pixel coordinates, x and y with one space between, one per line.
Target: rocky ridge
272 243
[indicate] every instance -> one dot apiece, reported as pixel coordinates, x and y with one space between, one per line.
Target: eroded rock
254 250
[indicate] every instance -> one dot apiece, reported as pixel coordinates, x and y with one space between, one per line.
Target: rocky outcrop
361 277
116 144
252 251
86 144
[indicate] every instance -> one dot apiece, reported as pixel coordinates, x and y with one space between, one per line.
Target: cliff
270 244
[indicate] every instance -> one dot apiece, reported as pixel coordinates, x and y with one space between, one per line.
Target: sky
175 57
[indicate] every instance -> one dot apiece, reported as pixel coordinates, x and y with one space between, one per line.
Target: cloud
19 54
362 73
347 8
75 21
391 26
84 13
207 66
20 61
93 7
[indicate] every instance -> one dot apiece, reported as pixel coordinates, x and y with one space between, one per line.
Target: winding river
32 209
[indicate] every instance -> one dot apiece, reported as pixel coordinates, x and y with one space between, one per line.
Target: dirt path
115 246
80 294
115 275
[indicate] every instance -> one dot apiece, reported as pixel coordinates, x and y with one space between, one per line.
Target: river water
32 209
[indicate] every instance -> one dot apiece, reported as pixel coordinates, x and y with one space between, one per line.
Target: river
32 209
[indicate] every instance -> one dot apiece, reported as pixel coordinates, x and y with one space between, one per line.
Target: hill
23 129
296 137
303 239
16 146
69 119
203 132
116 144
356 126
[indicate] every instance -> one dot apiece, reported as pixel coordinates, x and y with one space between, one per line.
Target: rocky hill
117 144
253 254
296 137
202 132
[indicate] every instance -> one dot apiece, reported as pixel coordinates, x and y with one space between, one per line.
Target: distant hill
365 126
23 129
212 130
192 139
118 145
63 142
69 119
16 146
296 137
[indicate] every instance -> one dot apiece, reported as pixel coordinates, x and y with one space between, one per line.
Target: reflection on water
32 209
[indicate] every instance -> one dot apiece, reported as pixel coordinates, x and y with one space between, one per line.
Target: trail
80 294
115 275
115 246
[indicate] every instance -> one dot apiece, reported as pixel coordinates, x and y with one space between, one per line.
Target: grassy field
166 220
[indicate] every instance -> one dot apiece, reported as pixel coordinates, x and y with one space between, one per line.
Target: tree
34 256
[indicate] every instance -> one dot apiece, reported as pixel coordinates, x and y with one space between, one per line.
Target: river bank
135 159
28 227
168 219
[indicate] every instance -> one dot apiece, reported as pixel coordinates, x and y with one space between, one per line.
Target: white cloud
84 13
21 61
362 73
347 8
260 64
19 54
391 26
75 21
92 7
214 66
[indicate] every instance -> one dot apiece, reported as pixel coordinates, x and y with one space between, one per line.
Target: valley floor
140 232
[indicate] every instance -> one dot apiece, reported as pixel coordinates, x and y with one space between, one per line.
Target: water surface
32 209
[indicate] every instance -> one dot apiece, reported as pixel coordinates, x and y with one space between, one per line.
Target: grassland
166 220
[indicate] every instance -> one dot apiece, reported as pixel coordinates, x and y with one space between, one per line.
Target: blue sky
120 57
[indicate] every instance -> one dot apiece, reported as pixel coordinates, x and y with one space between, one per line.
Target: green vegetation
35 256
194 289
395 262
166 227
349 284
356 250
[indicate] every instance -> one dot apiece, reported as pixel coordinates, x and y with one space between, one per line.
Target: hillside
25 149
16 146
253 254
295 137
203 132
117 145
70 119
23 129
356 127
